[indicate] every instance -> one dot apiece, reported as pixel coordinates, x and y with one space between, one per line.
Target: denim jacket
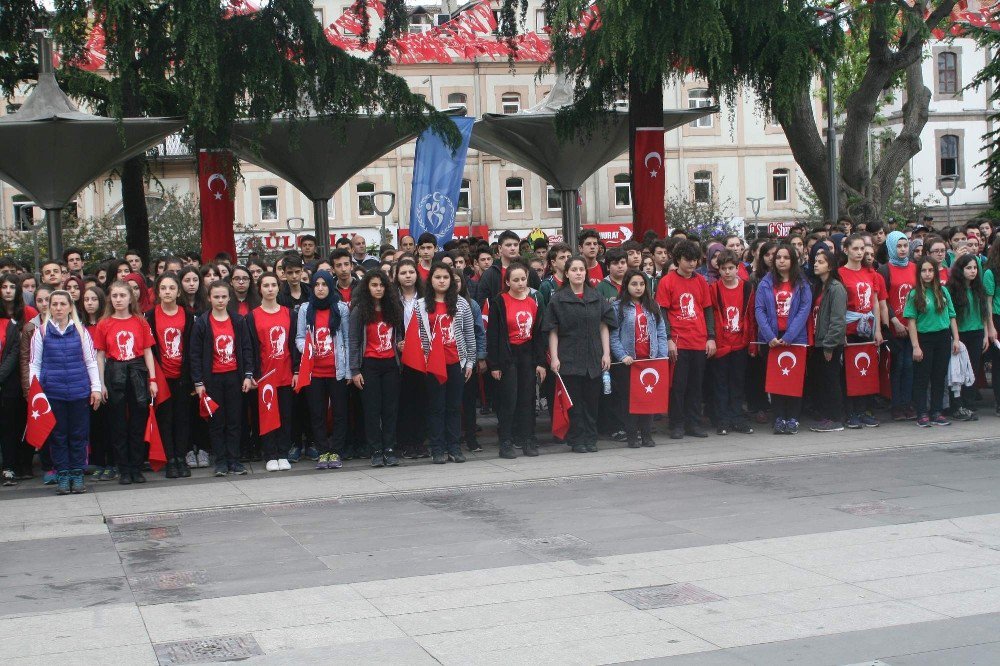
340 342
623 338
798 312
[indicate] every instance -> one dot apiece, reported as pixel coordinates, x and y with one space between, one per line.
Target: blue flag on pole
437 180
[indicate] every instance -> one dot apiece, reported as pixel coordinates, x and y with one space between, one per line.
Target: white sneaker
191 460
271 466
203 458
283 465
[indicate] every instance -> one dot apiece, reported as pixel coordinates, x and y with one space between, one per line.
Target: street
878 546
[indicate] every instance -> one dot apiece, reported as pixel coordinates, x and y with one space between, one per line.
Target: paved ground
847 548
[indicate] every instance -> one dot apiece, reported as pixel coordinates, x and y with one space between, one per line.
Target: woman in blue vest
65 363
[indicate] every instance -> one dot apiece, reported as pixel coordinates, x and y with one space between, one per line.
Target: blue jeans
901 371
68 442
444 411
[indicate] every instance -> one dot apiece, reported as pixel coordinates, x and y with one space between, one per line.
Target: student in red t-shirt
16 454
515 355
863 318
684 296
272 329
171 325
590 247
900 278
222 369
376 328
730 298
125 360
244 291
426 247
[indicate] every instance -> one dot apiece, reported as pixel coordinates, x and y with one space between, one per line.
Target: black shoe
146 467
677 433
721 431
183 471
579 448
591 448
137 477
125 479
530 448
633 443
618 436
507 451
647 441
474 447
221 470
171 472
744 428
390 458
440 459
695 431
456 457
378 460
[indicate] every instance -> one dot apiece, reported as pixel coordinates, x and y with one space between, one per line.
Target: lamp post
947 186
384 213
755 207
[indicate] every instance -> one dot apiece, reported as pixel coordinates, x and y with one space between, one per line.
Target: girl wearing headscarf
711 268
900 278
140 291
325 319
916 249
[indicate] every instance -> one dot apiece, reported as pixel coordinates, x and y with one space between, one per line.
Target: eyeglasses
940 250
241 278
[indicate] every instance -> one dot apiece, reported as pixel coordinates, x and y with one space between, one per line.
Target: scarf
712 272
145 302
328 303
890 246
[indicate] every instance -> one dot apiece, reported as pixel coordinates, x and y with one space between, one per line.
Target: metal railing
171 147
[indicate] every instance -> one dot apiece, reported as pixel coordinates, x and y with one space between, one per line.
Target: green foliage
704 221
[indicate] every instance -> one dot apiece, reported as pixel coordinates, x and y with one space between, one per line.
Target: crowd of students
512 319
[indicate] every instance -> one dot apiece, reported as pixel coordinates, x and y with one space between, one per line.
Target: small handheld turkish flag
207 407
561 404
162 389
267 405
786 370
884 373
41 420
413 352
861 366
649 387
157 456
436 364
306 365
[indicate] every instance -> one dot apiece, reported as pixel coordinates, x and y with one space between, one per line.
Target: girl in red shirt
245 299
125 360
376 328
102 455
244 291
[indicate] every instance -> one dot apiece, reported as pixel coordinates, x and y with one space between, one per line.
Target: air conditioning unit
441 19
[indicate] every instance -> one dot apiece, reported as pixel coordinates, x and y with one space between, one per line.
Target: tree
775 49
212 63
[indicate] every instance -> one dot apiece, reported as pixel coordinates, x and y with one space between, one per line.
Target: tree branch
807 145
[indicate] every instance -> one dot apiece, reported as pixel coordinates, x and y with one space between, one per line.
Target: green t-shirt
992 289
932 319
973 318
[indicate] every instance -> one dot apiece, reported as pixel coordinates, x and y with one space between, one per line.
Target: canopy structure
52 150
318 154
529 138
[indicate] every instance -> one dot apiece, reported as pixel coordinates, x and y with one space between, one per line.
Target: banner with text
437 180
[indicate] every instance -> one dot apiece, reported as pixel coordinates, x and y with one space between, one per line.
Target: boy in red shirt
685 297
730 295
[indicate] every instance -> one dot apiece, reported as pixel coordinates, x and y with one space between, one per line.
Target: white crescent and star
211 179
659 158
656 379
864 370
784 370
48 407
268 388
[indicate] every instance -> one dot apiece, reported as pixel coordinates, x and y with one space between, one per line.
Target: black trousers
685 388
127 416
380 399
249 425
301 428
756 376
621 390
470 393
323 393
355 441
224 426
277 442
973 341
101 451
16 452
585 392
412 420
932 371
174 419
444 407
830 399
728 384
515 397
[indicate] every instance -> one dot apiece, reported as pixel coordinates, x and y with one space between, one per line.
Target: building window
463 194
347 30
541 23
699 98
366 199
420 22
947 64
331 209
510 103
623 191
552 199
268 203
515 195
24 212
457 99
949 155
318 13
496 20
779 186
703 187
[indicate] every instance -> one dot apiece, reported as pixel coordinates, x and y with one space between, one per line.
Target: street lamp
384 213
947 186
755 207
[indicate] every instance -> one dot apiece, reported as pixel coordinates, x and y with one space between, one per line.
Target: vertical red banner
218 209
648 183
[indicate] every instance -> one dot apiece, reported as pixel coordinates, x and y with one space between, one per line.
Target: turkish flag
786 370
561 404
486 313
157 456
218 210
436 364
862 368
648 183
885 373
41 420
207 407
413 352
162 389
649 387
306 364
267 406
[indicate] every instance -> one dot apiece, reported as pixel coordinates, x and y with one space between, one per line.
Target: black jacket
285 297
251 327
578 322
189 319
498 351
491 283
10 378
201 348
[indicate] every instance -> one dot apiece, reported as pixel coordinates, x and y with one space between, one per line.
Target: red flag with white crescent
41 420
861 366
207 407
561 404
157 456
786 370
306 364
885 373
267 405
218 209
413 351
648 182
649 387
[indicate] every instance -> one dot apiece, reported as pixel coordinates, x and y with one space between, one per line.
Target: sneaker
183 469
323 462
221 470
76 483
854 422
137 477
939 420
647 441
271 466
779 427
721 430
238 469
294 454
579 448
334 461
695 431
826 425
474 447
591 447
791 426
312 453
203 458
63 482
109 474
633 444
677 433
439 459
171 470
964 414
618 436
191 459
284 465
456 457
742 428
924 421
911 413
868 421
390 458
898 414
50 477
9 478
378 460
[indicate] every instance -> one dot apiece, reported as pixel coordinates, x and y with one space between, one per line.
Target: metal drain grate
560 543
664 596
873 509
146 534
168 580
207 650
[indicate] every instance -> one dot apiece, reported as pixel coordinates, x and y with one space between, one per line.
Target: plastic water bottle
606 378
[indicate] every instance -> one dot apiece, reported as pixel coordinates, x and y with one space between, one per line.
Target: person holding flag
830 319
448 340
641 334
782 307
272 330
64 364
16 455
411 423
376 328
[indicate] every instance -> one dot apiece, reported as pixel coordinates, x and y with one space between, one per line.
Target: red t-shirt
595 274
378 338
30 312
243 308
3 332
170 339
223 345
943 275
425 273
345 293
902 279
861 292
684 300
324 355
273 334
641 332
783 303
521 315
123 339
441 325
730 329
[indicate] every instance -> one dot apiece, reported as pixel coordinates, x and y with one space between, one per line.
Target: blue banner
437 180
